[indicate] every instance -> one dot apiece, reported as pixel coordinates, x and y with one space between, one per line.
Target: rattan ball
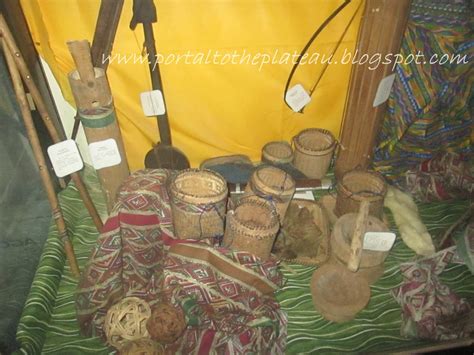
142 347
126 321
166 323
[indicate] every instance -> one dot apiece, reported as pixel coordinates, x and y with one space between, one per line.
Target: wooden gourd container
371 266
314 148
198 203
278 152
252 226
356 186
274 185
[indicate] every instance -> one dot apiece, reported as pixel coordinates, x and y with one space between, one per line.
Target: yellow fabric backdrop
213 109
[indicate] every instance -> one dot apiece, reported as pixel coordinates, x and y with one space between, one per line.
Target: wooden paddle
163 154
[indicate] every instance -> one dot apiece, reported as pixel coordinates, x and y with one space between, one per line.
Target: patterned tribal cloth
227 296
430 109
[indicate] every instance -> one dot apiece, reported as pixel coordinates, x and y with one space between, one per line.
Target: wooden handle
359 230
81 53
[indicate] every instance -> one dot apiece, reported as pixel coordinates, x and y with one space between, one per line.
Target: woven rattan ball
166 323
142 347
126 321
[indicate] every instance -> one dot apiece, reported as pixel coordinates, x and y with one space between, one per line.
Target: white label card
104 154
305 195
65 158
383 91
153 103
297 98
379 241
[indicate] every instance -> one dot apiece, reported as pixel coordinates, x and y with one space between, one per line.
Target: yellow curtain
222 97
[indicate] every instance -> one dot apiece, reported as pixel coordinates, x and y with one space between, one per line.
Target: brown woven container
314 148
273 185
198 202
252 226
357 186
278 152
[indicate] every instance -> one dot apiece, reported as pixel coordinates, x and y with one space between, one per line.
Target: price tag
304 195
153 103
383 91
65 158
104 154
379 241
297 98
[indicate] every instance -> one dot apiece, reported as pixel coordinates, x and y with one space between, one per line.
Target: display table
49 326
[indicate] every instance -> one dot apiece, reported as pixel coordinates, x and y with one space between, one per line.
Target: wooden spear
40 159
41 107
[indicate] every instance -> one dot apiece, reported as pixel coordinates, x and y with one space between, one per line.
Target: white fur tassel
412 230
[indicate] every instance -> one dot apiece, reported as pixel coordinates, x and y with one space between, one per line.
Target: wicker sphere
142 347
126 321
166 323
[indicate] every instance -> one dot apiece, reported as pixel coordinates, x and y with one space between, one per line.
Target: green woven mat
48 324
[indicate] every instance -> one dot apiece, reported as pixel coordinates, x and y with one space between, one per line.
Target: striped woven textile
430 108
49 324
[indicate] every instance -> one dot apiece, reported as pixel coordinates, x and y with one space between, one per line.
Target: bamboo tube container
97 114
41 107
40 159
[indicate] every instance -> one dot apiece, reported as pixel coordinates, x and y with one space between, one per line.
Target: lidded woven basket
314 148
274 185
252 226
356 186
198 203
277 152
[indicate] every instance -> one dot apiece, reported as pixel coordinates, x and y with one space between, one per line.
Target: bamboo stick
40 159
381 33
41 107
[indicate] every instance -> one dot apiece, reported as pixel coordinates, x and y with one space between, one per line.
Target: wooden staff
381 33
38 153
91 91
41 107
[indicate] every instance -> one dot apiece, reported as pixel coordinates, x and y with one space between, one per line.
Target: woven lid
315 141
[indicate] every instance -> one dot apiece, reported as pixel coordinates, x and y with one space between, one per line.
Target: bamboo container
274 185
252 226
198 202
278 152
314 148
95 109
357 186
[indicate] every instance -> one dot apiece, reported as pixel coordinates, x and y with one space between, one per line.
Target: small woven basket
278 152
356 186
126 321
314 148
143 347
252 226
198 202
274 185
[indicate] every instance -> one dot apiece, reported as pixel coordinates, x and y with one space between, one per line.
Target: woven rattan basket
198 202
357 186
278 152
252 226
314 148
273 185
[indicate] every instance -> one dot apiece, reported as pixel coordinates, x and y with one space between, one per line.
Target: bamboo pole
381 33
40 159
41 107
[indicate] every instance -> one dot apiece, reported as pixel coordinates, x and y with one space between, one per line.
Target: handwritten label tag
104 154
383 91
379 241
297 98
153 103
65 158
305 195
